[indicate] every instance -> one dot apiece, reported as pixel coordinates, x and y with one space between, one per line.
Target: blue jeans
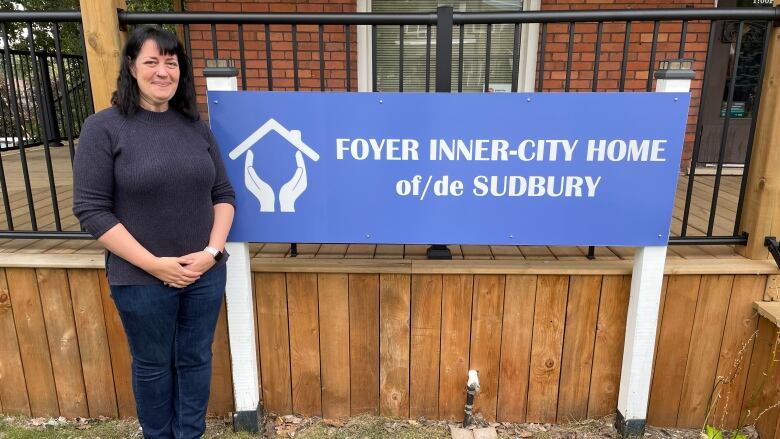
170 332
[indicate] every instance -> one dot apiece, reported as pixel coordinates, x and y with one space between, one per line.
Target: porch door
716 87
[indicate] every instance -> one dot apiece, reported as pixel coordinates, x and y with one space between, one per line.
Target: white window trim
529 41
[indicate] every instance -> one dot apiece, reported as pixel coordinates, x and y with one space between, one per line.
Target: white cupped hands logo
291 190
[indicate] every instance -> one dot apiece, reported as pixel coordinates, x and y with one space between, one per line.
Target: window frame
529 40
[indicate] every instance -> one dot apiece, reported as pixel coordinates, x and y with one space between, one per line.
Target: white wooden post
644 303
221 76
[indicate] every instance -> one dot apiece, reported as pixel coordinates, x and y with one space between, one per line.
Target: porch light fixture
220 67
678 68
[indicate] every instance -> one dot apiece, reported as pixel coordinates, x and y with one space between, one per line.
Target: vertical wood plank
608 347
33 346
302 306
579 337
364 343
13 388
487 313
121 359
221 392
549 321
426 345
770 388
334 344
274 340
455 335
706 337
682 293
760 388
93 342
517 333
394 333
63 342
737 348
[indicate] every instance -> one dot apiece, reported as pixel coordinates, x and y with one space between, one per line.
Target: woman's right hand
171 272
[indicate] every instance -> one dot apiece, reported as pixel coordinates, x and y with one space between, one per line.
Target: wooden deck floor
42 202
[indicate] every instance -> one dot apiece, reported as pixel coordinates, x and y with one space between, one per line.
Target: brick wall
555 57
281 38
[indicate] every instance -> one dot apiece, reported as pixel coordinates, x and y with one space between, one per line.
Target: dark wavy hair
127 96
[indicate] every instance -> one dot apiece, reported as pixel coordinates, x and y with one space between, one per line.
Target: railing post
50 127
103 40
761 208
221 76
444 49
443 85
645 299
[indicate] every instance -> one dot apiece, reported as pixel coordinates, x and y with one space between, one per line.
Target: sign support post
221 76
645 300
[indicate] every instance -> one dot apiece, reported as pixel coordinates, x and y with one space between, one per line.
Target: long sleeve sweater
158 174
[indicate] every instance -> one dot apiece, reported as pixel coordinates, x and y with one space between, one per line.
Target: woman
149 183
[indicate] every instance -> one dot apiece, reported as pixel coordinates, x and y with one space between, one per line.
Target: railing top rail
425 18
40 16
689 14
244 18
43 53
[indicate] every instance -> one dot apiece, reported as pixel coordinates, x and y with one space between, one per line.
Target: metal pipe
707 240
624 61
569 53
269 69
472 387
690 14
241 55
401 58
651 64
44 235
38 95
597 56
487 56
322 57
724 134
428 58
697 141
516 58
17 121
296 78
348 37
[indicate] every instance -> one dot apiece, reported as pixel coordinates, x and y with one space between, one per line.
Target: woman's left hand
199 261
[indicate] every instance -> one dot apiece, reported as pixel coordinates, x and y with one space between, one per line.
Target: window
415 37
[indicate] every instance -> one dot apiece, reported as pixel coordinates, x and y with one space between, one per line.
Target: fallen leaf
526 433
334 422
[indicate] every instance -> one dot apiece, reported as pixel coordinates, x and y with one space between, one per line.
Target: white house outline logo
291 190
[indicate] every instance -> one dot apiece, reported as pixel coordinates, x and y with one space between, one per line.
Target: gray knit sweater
159 174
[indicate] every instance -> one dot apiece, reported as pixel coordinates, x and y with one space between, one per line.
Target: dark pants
170 332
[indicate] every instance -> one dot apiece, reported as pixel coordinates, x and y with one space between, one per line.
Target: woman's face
157 76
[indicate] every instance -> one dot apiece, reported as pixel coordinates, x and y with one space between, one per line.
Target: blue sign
492 168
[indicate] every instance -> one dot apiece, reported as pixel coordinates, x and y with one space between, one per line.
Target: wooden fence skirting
548 347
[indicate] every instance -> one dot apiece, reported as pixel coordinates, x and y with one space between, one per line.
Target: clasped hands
179 272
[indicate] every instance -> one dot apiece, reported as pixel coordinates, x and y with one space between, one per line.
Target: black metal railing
44 98
56 84
605 50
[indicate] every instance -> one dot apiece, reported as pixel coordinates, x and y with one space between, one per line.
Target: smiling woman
150 184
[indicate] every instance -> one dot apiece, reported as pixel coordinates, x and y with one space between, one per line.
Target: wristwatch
214 252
